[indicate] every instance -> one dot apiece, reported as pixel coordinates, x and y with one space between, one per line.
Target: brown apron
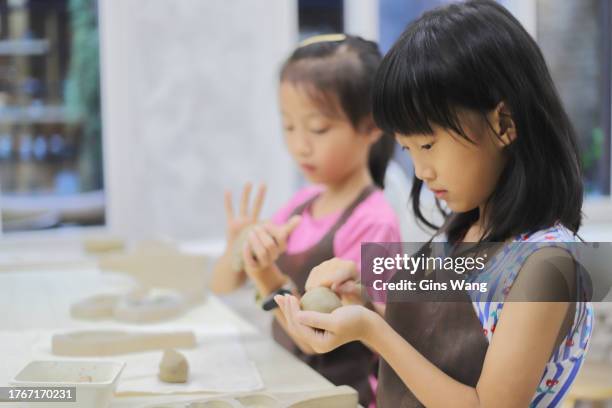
351 363
447 333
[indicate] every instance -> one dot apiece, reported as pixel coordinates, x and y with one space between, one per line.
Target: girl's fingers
349 287
294 305
229 208
290 226
343 275
280 233
293 308
247 257
272 231
330 278
244 201
323 321
267 240
259 199
281 304
280 301
316 334
258 247
317 339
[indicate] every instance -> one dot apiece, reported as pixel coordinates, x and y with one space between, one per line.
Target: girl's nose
303 146
424 172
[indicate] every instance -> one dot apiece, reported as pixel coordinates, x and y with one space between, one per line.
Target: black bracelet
269 303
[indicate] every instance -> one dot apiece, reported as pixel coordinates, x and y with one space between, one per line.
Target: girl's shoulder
372 220
300 197
555 233
376 208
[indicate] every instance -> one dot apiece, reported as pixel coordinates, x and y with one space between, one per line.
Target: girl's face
328 149
461 173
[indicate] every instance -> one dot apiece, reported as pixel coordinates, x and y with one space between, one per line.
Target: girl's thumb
291 224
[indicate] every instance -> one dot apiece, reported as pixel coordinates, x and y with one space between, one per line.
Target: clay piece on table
103 245
113 342
95 307
320 299
173 367
237 261
150 306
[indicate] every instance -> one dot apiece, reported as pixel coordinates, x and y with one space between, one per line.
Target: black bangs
438 67
410 94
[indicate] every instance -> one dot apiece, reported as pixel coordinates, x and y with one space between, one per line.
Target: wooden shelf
34 115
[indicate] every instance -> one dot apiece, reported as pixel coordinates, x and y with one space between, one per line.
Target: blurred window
50 123
320 17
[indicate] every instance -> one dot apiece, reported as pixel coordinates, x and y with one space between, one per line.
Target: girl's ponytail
380 155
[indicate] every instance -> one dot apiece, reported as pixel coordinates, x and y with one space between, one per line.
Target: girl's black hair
340 74
473 56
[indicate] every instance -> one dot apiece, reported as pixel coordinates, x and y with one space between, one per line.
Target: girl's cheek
290 143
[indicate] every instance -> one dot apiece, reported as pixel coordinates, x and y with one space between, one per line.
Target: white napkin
219 363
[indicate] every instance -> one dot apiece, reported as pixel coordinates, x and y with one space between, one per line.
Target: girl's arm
224 278
524 339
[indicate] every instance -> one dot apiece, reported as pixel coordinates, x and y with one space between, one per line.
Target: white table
25 304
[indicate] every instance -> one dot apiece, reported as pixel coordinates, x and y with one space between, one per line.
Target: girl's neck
475 232
355 181
339 195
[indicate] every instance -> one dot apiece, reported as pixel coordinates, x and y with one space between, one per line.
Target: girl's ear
371 131
504 125
375 134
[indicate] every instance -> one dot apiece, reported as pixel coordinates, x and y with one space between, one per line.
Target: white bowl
95 381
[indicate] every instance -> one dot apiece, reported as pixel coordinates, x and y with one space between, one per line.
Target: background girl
467 92
325 94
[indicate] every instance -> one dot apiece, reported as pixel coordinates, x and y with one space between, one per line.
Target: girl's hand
245 217
264 244
339 275
324 332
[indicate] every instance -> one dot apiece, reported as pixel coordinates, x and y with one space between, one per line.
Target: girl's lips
307 167
439 193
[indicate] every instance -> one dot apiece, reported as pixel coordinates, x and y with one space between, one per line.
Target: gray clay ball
237 261
173 367
320 299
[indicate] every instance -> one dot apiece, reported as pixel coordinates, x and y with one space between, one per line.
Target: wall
189 108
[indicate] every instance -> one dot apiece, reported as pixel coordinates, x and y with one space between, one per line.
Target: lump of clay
151 306
173 367
95 307
320 299
103 245
237 261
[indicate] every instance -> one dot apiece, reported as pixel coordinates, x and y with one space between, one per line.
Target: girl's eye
423 147
288 128
320 131
427 146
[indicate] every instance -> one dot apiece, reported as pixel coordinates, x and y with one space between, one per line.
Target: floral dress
500 273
